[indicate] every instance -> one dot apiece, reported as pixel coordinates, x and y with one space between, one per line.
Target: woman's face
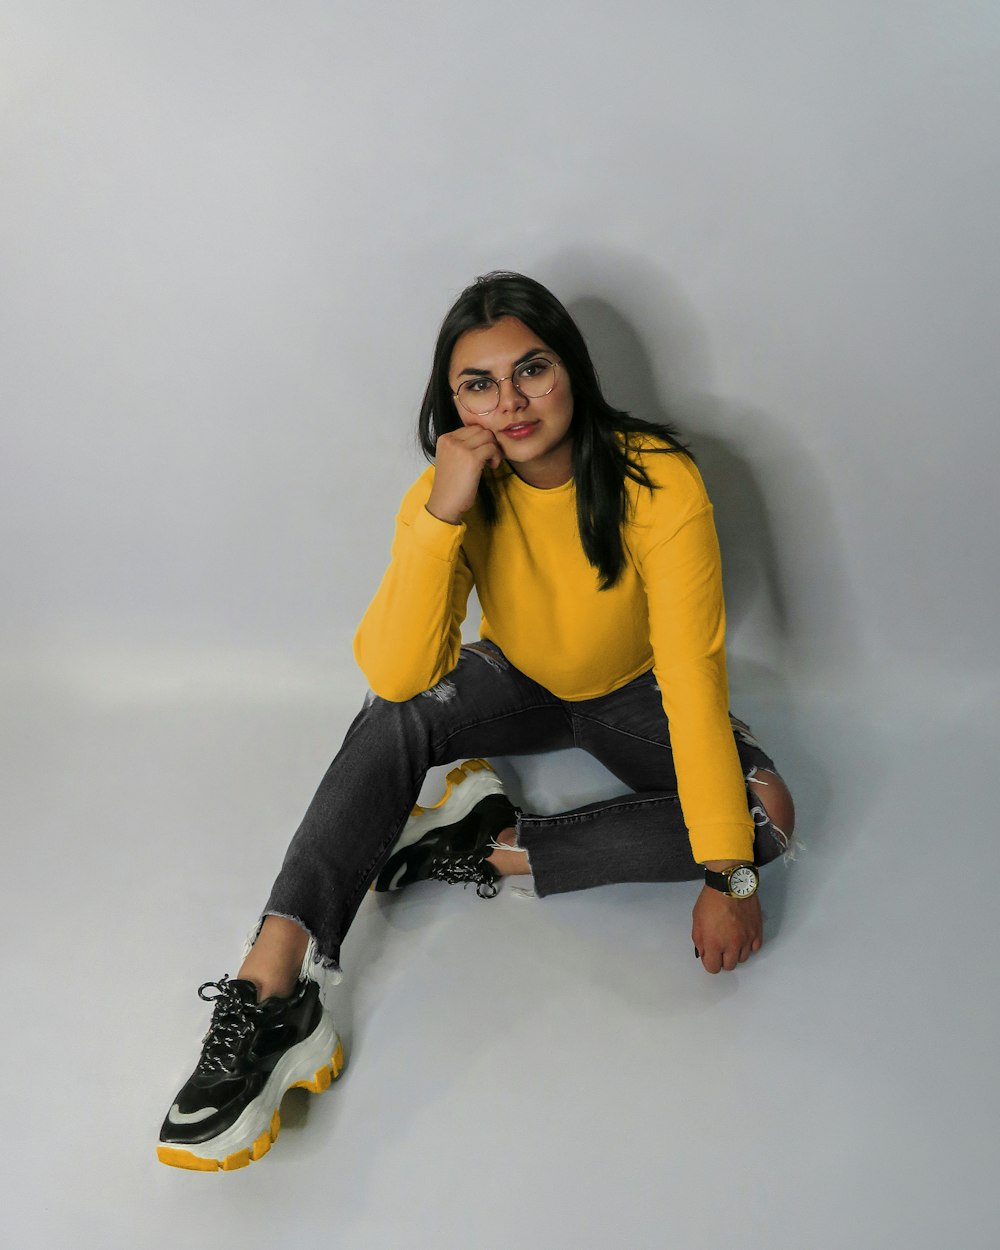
533 434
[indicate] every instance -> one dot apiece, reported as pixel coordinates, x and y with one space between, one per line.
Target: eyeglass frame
507 376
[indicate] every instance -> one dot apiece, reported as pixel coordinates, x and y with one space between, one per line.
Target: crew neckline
538 491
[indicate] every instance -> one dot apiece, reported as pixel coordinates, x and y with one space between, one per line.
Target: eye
477 386
536 377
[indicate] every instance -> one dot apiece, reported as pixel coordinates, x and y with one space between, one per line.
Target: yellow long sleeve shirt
541 605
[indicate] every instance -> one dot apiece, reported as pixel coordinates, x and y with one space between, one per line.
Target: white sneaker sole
465 786
316 1061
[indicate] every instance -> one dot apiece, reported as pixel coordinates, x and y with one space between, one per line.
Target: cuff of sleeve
733 841
436 537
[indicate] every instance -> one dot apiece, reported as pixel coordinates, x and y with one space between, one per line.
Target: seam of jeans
365 876
491 720
761 757
625 733
570 818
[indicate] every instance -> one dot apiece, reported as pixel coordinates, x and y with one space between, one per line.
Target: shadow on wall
787 599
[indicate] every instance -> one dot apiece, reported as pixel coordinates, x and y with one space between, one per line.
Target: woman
589 538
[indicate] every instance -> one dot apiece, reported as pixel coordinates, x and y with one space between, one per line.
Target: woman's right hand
459 460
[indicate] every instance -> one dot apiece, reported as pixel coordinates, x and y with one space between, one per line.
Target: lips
518 428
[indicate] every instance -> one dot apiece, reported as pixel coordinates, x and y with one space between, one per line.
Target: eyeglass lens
534 379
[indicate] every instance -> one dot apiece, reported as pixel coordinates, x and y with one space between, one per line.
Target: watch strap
717 880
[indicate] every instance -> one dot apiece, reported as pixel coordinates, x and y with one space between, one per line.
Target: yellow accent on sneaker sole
325 1075
176 1157
454 778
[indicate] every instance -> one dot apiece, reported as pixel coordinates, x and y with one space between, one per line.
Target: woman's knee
775 798
774 814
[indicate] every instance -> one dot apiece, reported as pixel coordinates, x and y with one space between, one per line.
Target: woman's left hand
726 931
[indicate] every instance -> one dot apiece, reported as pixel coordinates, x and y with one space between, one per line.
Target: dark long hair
601 461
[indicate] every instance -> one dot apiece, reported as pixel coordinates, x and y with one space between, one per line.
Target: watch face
742 882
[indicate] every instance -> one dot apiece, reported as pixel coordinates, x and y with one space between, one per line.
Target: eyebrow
485 373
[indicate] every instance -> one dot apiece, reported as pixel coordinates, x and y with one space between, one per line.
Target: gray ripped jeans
487 707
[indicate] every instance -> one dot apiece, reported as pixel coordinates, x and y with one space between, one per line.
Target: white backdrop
229 230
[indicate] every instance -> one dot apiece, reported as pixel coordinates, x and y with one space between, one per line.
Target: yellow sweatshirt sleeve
411 633
677 554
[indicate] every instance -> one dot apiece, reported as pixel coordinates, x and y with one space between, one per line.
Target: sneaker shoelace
465 870
233 1021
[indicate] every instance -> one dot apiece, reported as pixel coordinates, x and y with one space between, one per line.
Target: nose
511 399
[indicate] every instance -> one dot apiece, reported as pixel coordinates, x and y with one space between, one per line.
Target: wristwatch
738 882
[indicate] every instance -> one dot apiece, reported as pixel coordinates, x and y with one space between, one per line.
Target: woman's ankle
508 858
275 959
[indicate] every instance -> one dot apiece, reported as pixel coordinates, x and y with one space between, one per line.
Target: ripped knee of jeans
783 843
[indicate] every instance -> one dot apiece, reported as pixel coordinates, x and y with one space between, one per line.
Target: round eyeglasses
533 379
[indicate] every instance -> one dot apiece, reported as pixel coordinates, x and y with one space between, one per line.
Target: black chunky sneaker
226 1115
452 840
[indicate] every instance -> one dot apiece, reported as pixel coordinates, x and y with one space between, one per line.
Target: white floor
557 1073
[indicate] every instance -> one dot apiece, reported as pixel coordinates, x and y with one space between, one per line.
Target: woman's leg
483 707
269 1029
642 836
